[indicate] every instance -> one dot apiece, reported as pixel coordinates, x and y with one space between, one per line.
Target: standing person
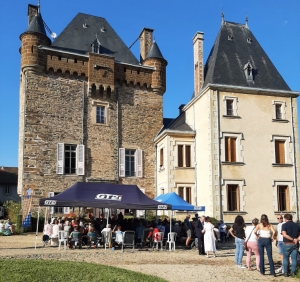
222 229
265 239
239 228
209 237
279 242
188 227
199 226
252 244
291 236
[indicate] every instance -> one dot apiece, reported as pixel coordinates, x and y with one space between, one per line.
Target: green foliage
50 270
214 220
13 209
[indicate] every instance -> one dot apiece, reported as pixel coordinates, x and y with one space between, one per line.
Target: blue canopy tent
177 202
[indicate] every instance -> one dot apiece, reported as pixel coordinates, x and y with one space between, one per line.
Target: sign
162 207
199 208
110 197
50 202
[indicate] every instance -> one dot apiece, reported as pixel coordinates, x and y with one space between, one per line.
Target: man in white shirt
279 241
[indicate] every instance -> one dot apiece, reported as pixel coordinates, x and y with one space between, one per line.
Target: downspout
195 158
118 141
294 156
82 140
155 174
219 153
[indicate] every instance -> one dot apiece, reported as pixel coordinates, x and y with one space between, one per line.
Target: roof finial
222 18
39 6
247 22
96 35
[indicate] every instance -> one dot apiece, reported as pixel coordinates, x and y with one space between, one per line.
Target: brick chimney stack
145 43
198 62
32 11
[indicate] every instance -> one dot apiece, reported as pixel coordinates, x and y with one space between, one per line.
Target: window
7 190
233 197
100 114
278 109
185 194
184 155
130 162
70 159
283 198
229 107
230 149
161 158
279 152
57 210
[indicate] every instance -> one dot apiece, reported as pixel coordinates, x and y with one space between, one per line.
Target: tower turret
155 59
34 36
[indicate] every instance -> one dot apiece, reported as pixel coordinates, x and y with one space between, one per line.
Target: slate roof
81 32
37 25
228 57
154 52
8 175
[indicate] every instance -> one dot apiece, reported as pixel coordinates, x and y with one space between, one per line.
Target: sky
274 23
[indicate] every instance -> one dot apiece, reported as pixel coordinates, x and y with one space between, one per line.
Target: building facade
8 185
241 131
89 110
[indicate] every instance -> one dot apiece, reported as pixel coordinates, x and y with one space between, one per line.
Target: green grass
55 271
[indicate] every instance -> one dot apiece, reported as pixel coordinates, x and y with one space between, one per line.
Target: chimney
198 62
145 43
181 108
32 11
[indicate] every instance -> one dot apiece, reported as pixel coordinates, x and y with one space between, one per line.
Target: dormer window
96 46
248 70
249 40
230 37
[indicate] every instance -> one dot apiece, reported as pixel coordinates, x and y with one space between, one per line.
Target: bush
13 209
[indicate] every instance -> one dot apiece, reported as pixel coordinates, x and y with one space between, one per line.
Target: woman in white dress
209 237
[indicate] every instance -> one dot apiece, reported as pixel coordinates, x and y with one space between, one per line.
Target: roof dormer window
249 40
230 37
248 70
96 46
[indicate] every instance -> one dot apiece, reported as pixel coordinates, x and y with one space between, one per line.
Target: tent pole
37 227
171 221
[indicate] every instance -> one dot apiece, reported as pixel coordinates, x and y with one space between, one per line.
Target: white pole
37 227
171 222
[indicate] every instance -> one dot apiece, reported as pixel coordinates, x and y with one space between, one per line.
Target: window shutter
139 163
180 155
66 210
60 158
51 194
121 162
279 152
233 149
161 157
188 156
80 159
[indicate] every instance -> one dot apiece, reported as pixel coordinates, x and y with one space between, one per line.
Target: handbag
245 243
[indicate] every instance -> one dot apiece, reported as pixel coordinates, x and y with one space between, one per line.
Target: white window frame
291 186
288 149
138 161
283 110
96 104
241 183
184 144
186 185
80 159
235 105
239 147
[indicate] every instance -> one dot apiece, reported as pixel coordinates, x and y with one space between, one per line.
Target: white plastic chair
171 240
158 239
62 239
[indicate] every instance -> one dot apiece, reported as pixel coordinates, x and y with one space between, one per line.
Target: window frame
239 159
283 111
138 162
241 194
187 192
184 155
96 105
7 190
237 197
234 109
286 201
290 200
288 160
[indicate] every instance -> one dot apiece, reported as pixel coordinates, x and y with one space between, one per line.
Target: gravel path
181 265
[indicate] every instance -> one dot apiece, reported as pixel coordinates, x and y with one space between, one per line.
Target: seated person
152 233
75 237
9 226
1 225
92 236
106 234
119 234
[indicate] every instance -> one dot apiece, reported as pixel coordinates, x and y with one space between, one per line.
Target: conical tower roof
37 25
154 52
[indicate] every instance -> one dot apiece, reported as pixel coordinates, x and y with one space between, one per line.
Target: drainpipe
294 156
118 141
155 174
195 158
82 140
219 153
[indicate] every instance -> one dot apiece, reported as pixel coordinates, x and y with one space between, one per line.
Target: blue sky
275 24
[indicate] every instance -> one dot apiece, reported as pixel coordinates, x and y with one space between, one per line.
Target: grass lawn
50 270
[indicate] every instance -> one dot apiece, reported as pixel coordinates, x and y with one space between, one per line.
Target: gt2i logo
50 202
109 197
162 207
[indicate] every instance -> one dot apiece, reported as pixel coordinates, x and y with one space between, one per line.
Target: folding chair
158 239
145 236
128 240
171 240
62 239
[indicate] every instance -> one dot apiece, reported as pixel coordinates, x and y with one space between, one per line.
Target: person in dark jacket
200 234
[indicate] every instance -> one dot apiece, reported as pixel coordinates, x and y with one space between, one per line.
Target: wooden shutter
279 152
188 156
283 198
180 155
161 161
180 192
139 163
233 198
230 149
122 162
60 158
80 159
188 196
51 210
